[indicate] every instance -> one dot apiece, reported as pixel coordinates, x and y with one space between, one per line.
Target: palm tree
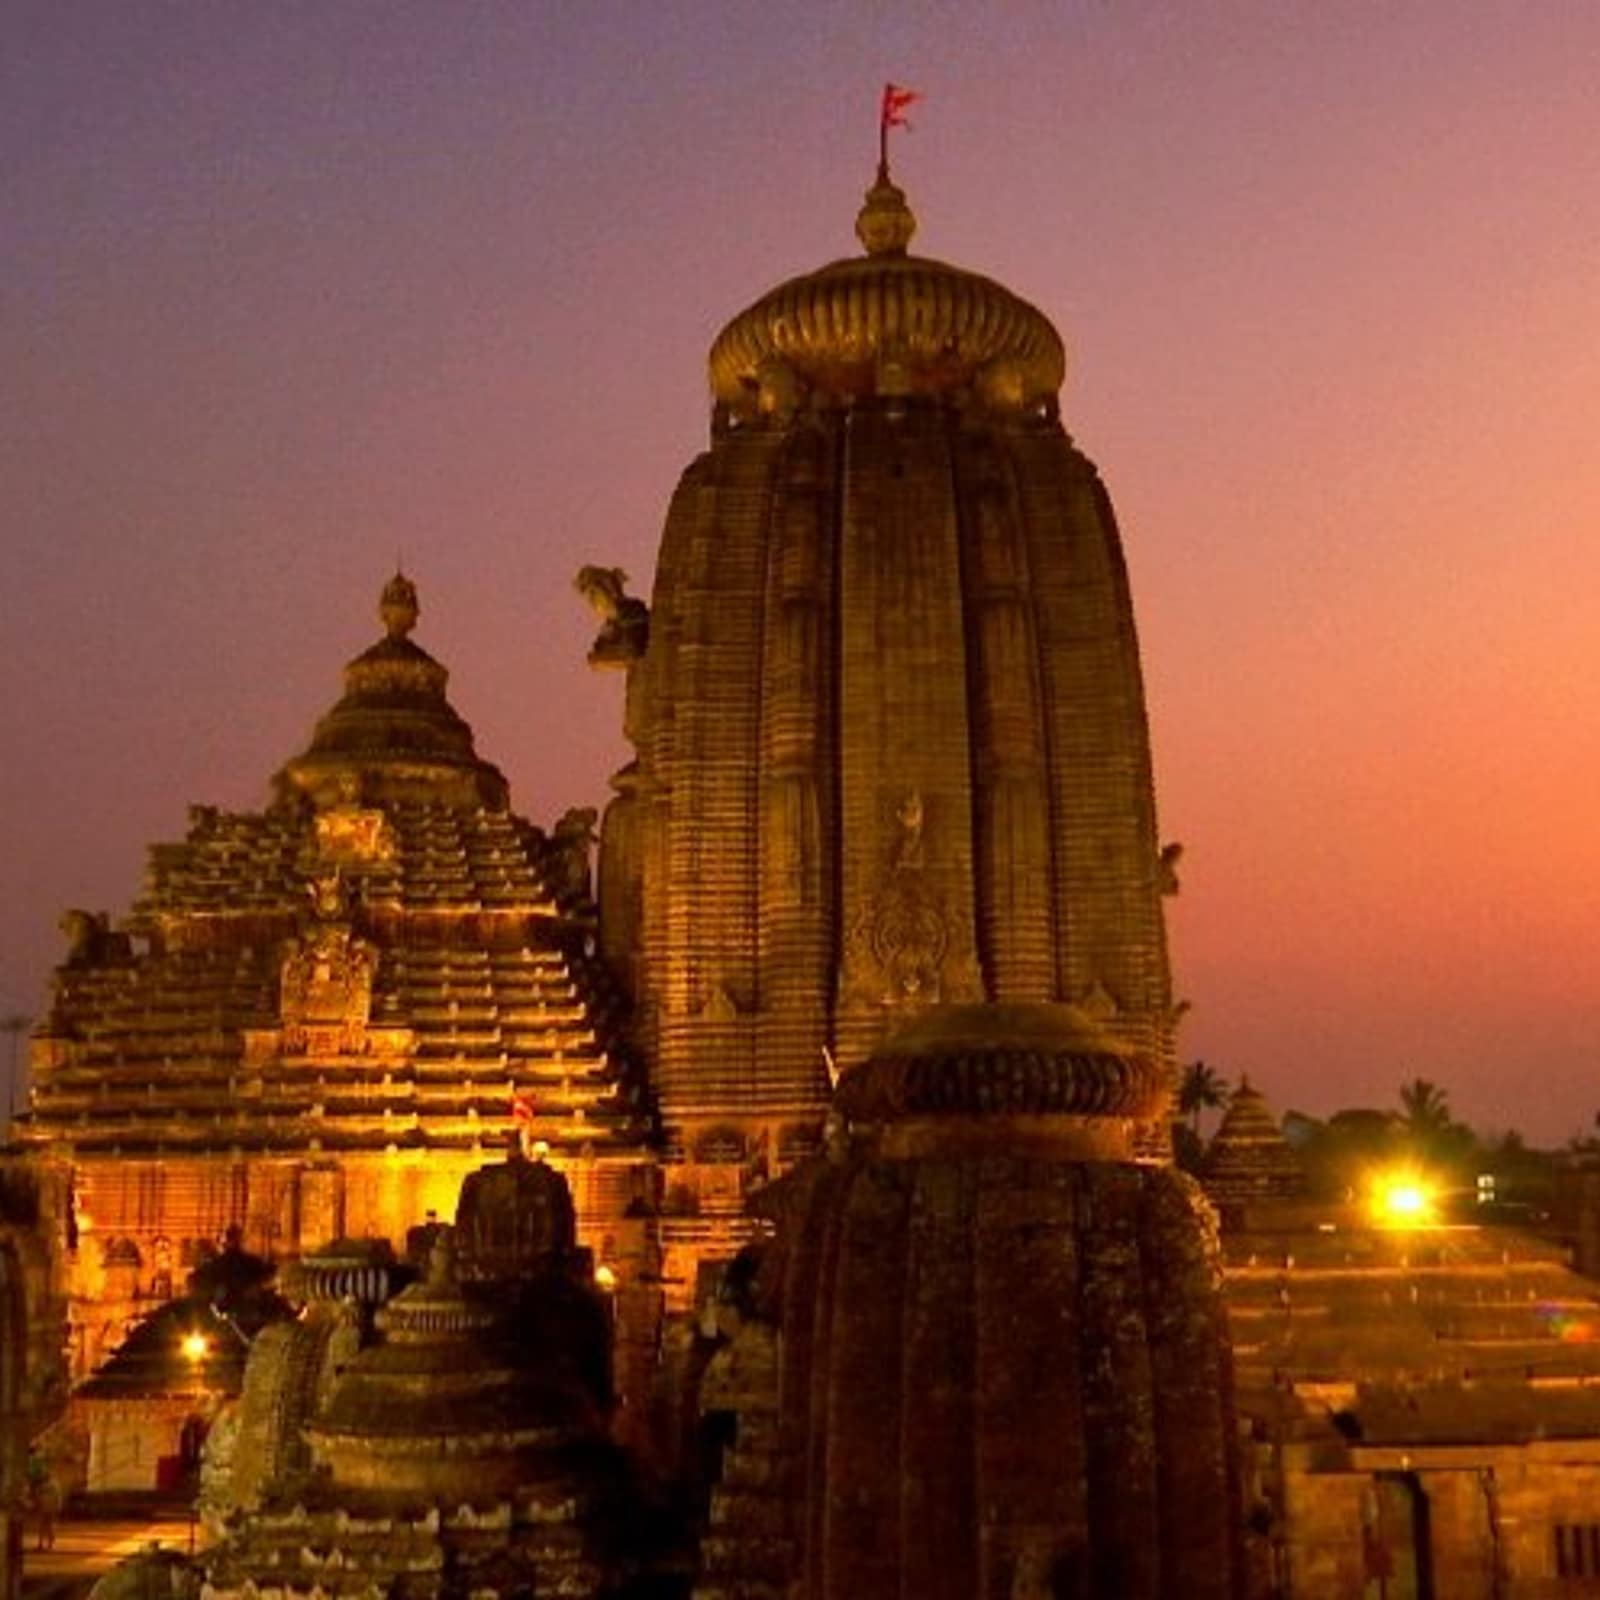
1200 1090
1425 1108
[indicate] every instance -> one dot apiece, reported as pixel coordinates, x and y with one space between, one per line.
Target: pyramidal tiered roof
1249 1158
385 957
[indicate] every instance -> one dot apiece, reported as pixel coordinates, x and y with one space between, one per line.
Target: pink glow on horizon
290 290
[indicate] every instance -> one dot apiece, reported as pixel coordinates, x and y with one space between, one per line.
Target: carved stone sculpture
624 620
91 939
572 843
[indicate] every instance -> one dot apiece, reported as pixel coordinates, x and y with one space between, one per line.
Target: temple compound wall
1472 1522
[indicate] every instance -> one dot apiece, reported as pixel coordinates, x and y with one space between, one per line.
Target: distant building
1423 1401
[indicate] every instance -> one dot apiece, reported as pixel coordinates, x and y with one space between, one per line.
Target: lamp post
13 1024
196 1348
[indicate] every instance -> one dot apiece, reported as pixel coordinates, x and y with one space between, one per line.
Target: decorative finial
398 606
885 223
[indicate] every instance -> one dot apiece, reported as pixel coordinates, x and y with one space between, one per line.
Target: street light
1404 1200
195 1347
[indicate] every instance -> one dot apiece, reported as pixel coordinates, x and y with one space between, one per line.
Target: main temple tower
891 734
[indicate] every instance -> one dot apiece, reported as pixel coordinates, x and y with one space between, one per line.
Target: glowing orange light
196 1347
606 1278
1403 1200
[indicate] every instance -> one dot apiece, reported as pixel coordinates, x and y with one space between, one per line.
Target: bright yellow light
196 1347
1402 1200
606 1278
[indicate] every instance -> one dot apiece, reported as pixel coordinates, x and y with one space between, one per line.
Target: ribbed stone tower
1003 1370
892 749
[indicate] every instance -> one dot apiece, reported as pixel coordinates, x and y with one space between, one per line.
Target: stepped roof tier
387 957
1321 1294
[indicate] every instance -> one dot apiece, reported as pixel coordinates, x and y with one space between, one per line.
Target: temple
321 1017
780 1207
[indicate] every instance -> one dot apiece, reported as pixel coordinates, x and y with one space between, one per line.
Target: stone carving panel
325 990
351 835
902 937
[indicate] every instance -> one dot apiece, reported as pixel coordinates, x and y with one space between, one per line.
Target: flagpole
891 114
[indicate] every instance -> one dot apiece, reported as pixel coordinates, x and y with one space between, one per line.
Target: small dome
514 1219
889 323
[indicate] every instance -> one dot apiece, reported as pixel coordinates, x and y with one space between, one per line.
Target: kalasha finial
885 223
398 607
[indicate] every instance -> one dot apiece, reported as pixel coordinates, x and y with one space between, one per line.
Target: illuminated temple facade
322 1016
851 1218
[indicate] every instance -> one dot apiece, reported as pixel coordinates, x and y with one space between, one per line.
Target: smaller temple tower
1249 1160
448 1440
322 1016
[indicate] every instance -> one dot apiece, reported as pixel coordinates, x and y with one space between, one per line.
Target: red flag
896 100
522 1106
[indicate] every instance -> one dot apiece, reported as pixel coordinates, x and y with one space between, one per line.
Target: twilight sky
288 289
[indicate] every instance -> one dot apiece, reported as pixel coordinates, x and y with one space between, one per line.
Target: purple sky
288 289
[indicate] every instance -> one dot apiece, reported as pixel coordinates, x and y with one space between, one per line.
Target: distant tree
1201 1089
1365 1127
1425 1108
1430 1133
1338 1153
1524 1179
1188 1149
